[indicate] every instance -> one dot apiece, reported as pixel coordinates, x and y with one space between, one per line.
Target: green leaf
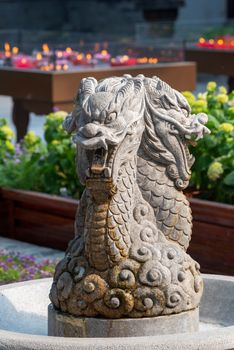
212 122
229 179
210 141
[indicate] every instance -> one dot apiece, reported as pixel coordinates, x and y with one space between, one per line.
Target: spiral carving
140 212
172 255
93 287
123 275
149 301
176 298
154 274
141 254
149 233
115 304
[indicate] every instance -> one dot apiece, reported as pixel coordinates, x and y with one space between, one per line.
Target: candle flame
142 60
7 47
38 56
152 60
220 42
79 56
104 52
88 56
15 50
65 67
211 41
45 48
202 40
68 50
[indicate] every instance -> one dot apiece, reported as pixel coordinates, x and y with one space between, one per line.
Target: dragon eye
111 117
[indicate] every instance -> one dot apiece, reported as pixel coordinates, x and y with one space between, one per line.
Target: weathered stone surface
26 312
128 257
65 325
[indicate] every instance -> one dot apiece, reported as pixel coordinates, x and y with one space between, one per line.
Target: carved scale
133 225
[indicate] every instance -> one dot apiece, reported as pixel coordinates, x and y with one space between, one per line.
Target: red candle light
103 56
222 42
23 61
123 61
82 59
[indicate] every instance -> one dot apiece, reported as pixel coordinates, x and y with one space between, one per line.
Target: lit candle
123 61
224 42
23 61
102 56
7 47
15 50
82 59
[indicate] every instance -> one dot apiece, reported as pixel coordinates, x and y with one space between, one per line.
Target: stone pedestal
64 325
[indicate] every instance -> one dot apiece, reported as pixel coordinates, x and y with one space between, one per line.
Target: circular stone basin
23 322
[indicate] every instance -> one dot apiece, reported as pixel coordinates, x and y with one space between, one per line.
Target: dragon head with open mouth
108 125
114 116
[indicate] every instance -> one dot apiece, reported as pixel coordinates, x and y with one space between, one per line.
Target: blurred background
157 28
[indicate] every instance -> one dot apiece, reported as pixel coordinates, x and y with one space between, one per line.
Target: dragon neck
109 217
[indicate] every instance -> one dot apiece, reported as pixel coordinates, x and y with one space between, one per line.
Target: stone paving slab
30 249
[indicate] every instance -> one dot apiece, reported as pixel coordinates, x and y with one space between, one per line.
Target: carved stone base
64 325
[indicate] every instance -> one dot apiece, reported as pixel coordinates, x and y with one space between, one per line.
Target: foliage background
213 170
49 165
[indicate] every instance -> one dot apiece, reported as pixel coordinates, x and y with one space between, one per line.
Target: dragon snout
91 130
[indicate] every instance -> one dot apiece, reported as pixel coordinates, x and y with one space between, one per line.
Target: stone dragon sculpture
133 224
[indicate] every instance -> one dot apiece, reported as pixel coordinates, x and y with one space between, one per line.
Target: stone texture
133 226
68 326
19 293
23 306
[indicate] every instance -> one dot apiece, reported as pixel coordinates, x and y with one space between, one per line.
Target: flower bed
15 267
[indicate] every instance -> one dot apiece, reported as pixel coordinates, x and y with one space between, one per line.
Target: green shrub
213 170
42 166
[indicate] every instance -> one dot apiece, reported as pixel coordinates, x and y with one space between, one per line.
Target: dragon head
114 116
108 125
